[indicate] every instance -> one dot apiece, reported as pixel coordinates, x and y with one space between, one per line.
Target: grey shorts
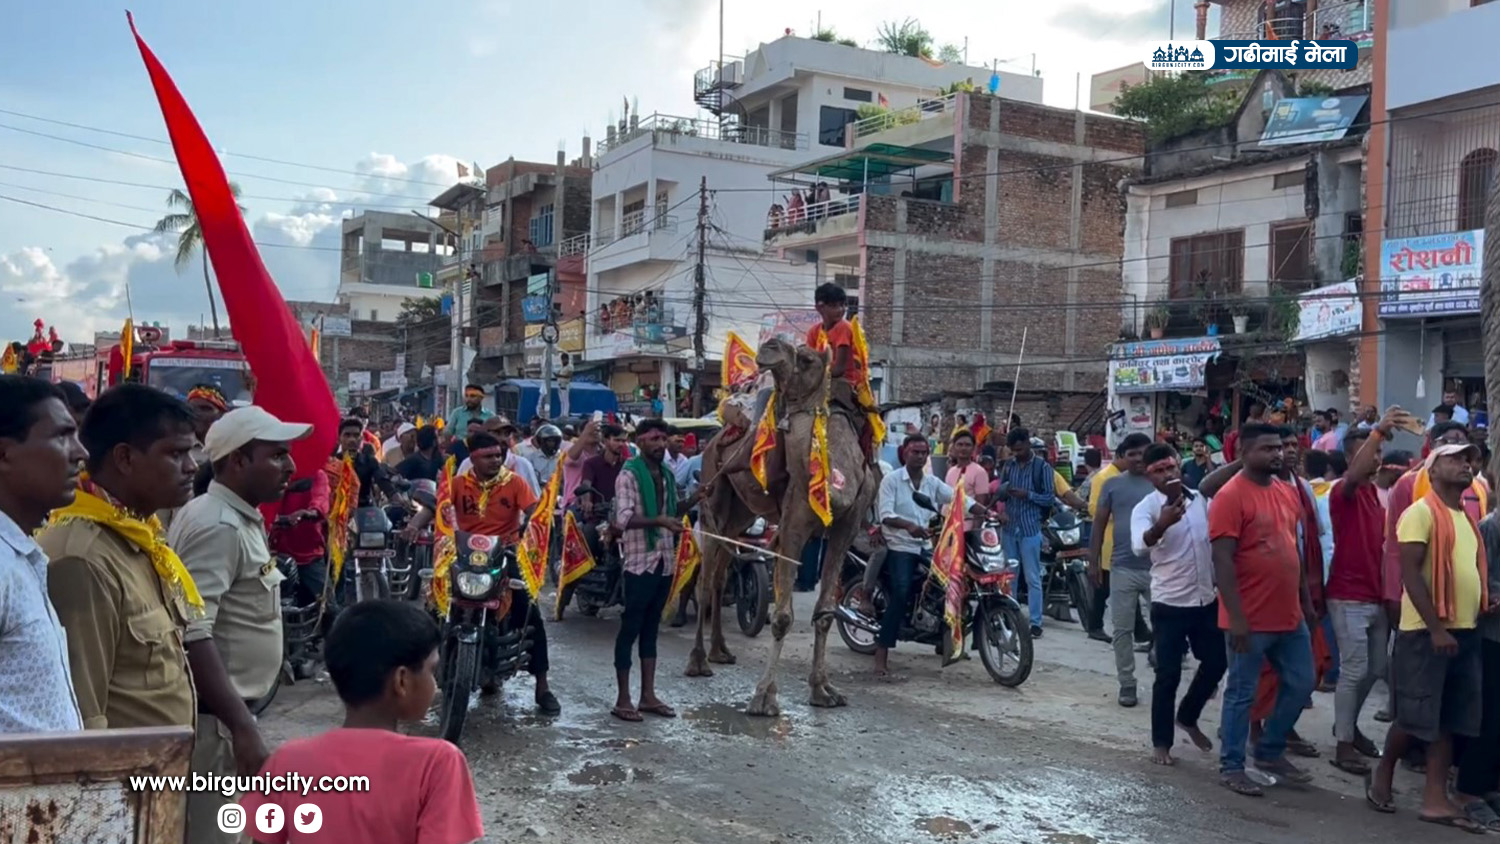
1437 693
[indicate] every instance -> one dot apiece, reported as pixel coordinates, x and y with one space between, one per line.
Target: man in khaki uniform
122 595
235 649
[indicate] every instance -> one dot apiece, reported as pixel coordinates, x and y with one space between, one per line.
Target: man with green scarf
647 514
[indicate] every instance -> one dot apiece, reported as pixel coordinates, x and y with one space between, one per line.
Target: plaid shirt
639 557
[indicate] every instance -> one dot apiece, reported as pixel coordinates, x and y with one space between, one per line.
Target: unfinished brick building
963 221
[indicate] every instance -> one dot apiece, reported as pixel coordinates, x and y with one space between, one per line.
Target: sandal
1483 814
1364 746
630 715
1241 784
1303 748
1387 806
1357 767
660 710
1455 821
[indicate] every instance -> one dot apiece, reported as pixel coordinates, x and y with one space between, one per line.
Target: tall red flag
292 384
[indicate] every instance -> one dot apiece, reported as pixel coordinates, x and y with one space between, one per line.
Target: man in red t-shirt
1263 603
1355 592
847 367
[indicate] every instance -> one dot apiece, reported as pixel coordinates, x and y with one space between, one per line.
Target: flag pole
1016 384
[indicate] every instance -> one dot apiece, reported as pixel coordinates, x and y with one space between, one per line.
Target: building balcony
575 245
668 126
642 235
892 126
821 223
1349 20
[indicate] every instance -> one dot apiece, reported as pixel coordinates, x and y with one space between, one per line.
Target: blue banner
1429 276
534 308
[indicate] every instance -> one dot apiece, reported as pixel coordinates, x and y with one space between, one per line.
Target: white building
385 259
784 103
1443 124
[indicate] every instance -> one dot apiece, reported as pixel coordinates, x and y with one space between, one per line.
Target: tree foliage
908 38
829 35
420 310
1173 106
951 53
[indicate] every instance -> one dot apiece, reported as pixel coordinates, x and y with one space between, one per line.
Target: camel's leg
718 651
840 535
714 560
789 544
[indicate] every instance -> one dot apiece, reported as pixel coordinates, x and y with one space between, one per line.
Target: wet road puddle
596 775
725 720
1068 838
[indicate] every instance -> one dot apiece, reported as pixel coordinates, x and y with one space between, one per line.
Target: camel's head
799 371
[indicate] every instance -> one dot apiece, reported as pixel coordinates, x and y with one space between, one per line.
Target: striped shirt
1026 514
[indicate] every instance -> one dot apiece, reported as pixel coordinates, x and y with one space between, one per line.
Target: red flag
272 340
948 573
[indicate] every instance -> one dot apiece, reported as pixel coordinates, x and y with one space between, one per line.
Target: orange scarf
1443 541
1422 487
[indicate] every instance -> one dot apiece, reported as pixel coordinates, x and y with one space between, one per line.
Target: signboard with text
1329 311
1157 365
1437 275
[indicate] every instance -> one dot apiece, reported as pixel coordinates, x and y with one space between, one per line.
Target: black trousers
521 608
1479 756
646 597
1096 611
1178 629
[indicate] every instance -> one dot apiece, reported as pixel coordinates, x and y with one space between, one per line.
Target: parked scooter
748 586
1065 574
481 648
1001 632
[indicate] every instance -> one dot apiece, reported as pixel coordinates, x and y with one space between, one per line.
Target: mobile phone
1174 490
598 416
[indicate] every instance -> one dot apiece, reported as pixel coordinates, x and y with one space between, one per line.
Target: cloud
1137 25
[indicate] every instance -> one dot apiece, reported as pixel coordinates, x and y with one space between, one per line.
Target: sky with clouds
381 99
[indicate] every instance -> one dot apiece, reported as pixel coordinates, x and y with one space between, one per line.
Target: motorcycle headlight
372 540
1071 536
474 584
993 563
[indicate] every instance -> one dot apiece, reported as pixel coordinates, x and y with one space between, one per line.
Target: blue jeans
1290 655
900 570
1028 549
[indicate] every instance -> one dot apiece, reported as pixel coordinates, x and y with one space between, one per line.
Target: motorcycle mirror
921 500
584 489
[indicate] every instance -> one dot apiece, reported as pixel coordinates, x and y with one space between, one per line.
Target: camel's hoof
827 697
764 704
722 658
698 666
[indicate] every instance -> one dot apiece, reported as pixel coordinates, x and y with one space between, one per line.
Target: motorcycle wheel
753 604
372 585
460 668
419 558
1000 630
858 640
1083 595
587 605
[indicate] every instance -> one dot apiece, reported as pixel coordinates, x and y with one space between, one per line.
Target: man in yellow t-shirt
1095 621
1436 666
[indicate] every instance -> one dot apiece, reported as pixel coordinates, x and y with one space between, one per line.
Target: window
859 95
831 124
540 227
1217 258
1475 177
1182 199
1291 257
1286 181
374 315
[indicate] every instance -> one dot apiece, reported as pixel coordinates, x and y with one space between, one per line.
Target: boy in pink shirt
381 656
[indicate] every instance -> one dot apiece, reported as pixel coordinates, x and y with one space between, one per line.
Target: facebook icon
269 818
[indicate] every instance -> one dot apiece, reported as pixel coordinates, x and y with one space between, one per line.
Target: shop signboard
789 325
1330 311
1437 275
1156 365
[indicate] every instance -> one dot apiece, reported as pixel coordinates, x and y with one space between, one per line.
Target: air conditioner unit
732 74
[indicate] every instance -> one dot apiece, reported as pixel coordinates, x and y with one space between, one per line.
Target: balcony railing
634 223
576 245
923 110
1284 29
1334 19
806 218
733 133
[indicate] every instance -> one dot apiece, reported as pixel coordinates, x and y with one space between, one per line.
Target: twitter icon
307 818
270 818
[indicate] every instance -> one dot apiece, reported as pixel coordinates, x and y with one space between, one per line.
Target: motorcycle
603 586
748 586
999 625
299 628
1065 572
481 648
415 553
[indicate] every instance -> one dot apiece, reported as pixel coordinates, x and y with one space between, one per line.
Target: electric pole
699 283
549 338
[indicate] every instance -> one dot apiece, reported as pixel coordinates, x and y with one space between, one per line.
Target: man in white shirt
1171 526
40 461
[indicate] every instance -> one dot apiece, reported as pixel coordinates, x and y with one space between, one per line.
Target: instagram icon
231 819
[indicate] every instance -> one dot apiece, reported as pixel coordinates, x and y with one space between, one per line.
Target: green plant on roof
1173 106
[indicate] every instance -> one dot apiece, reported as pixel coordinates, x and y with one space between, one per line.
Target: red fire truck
177 366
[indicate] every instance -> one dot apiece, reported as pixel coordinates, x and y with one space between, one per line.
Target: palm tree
183 222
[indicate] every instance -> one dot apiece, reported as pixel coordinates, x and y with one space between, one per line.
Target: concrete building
787 101
1258 20
383 255
1440 150
962 223
1253 227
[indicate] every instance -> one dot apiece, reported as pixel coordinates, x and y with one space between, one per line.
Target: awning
868 162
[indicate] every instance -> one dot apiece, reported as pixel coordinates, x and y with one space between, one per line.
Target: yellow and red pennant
739 367
819 491
687 560
864 394
577 560
948 573
765 443
345 496
8 361
445 524
127 348
537 544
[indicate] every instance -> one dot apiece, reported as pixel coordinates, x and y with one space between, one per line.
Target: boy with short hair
381 656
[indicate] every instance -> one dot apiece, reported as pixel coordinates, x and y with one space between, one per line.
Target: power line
122 183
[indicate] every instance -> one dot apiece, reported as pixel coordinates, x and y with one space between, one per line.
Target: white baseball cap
406 428
242 426
1467 449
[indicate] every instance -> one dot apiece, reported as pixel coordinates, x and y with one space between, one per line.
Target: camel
801 375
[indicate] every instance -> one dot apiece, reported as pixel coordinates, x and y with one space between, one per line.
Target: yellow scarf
146 535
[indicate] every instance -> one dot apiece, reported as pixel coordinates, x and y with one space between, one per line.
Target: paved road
945 756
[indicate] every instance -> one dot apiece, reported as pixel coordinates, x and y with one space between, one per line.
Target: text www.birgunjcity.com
259 784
